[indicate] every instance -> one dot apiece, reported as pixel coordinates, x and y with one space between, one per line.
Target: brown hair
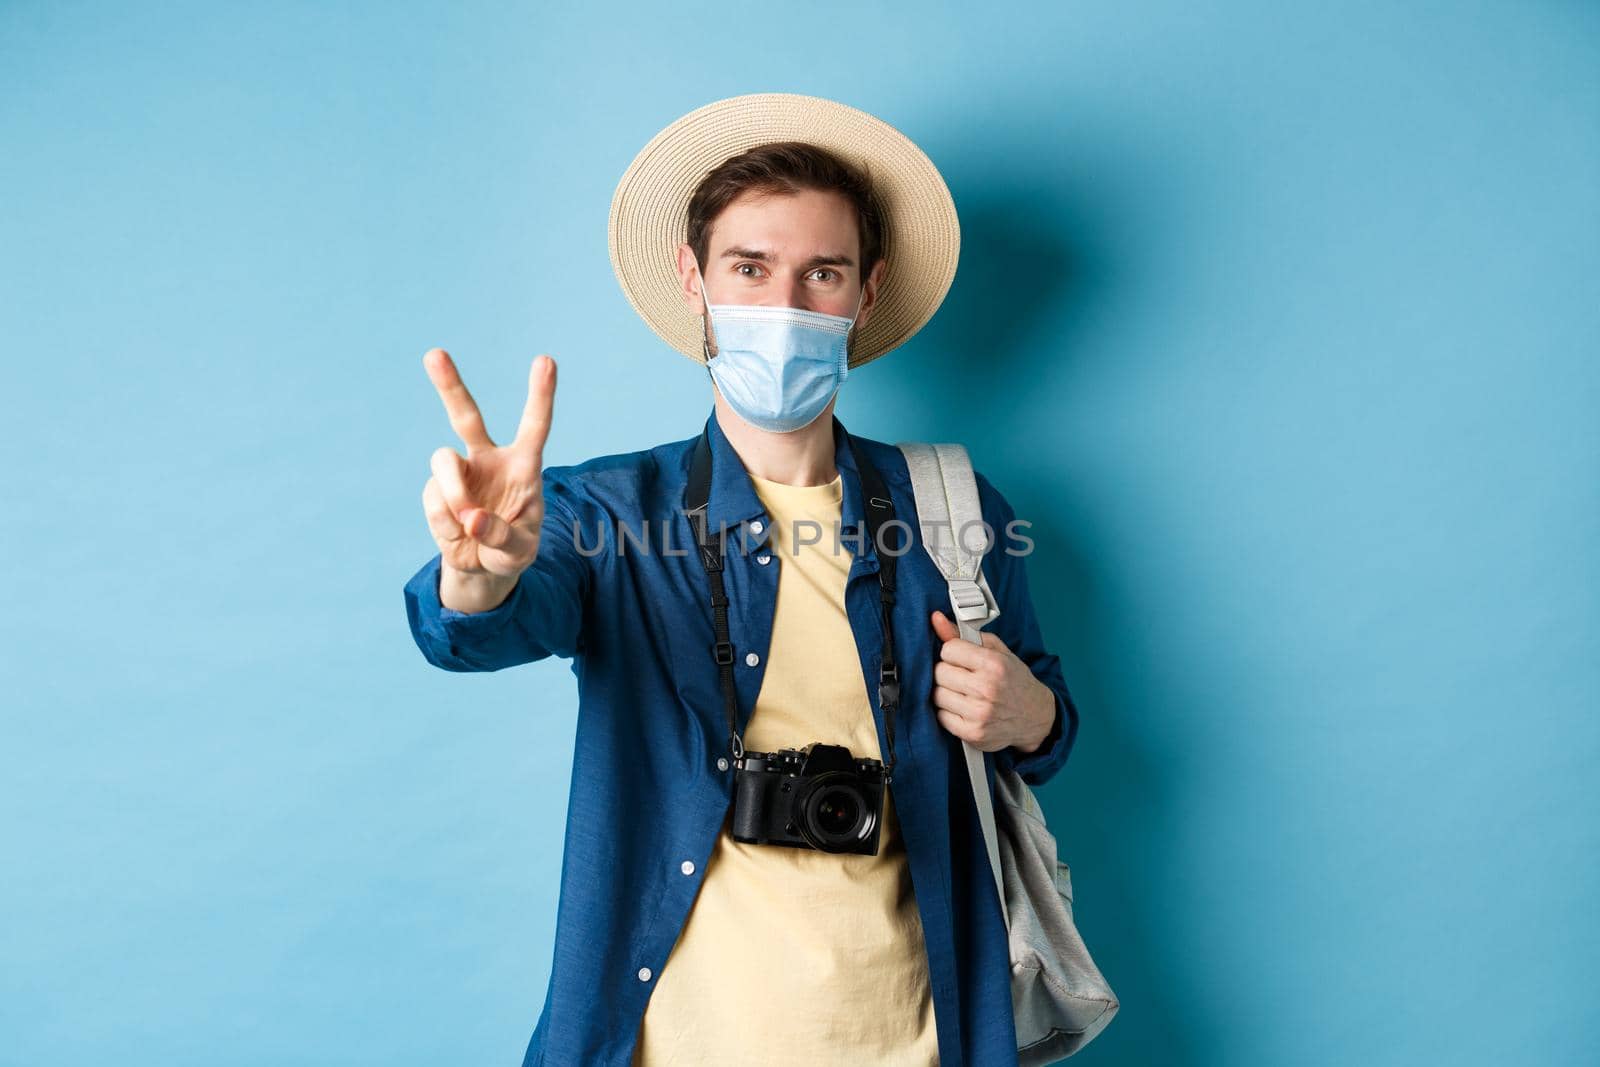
787 167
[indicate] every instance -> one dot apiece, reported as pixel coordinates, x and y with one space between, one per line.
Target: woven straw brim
650 211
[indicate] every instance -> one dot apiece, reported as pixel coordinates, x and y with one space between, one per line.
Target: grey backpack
1059 998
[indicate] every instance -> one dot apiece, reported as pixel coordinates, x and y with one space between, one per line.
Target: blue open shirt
650 783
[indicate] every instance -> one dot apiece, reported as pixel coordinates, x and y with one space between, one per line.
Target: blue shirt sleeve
542 616
1018 627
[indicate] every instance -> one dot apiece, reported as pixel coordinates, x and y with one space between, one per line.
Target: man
804 238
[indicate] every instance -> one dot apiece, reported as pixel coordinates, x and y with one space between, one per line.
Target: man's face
781 250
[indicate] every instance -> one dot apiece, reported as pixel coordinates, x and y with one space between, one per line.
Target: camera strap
880 511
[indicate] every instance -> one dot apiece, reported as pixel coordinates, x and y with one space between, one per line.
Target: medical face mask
778 366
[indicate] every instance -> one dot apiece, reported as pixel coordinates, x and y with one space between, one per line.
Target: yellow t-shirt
793 955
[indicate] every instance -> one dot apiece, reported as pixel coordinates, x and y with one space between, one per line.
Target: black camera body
817 797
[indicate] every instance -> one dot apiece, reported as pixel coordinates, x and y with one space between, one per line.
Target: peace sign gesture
484 511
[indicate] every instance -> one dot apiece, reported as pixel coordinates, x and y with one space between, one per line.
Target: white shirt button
644 974
756 526
764 559
688 867
722 764
751 659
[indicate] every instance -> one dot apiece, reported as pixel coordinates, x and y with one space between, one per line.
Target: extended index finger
536 415
465 418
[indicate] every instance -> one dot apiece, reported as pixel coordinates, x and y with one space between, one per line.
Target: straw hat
650 211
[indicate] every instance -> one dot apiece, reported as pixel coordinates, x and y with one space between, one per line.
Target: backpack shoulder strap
951 519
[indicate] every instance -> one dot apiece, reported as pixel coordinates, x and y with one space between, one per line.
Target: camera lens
833 813
837 811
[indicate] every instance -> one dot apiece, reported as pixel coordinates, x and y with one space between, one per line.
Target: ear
690 280
873 280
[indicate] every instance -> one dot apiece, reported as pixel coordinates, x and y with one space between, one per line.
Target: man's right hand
484 511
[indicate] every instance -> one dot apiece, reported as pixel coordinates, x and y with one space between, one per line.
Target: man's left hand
985 695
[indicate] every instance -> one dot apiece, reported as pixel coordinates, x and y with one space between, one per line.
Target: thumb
491 531
944 627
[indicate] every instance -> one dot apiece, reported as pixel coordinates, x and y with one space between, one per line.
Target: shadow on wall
1034 268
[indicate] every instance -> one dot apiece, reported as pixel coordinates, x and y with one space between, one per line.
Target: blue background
1279 322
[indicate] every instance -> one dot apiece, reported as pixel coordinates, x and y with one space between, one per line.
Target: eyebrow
766 257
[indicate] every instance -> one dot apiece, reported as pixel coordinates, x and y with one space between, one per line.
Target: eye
740 268
825 270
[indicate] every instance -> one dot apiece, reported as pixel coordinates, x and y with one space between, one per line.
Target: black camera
817 797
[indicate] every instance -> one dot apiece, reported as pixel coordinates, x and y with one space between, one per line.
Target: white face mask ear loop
711 324
844 368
